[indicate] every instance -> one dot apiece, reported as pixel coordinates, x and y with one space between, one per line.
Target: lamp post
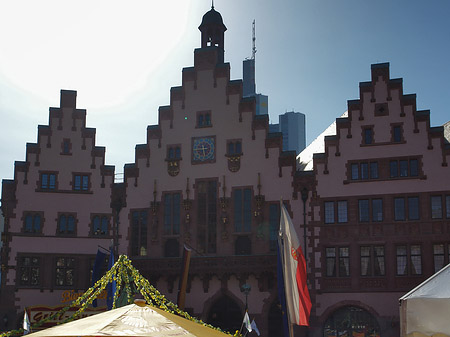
304 193
246 290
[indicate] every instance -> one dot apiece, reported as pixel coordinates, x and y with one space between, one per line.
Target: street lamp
246 290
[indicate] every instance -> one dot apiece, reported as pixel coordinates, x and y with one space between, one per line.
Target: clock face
203 149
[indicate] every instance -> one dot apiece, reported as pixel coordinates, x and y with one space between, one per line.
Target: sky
122 58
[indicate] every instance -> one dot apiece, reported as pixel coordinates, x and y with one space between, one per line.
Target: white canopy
425 310
131 320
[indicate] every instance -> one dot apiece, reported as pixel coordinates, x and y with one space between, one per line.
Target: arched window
351 321
243 246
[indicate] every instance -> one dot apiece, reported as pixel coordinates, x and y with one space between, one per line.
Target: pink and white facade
379 216
210 176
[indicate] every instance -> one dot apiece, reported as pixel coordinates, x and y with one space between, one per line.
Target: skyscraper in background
293 127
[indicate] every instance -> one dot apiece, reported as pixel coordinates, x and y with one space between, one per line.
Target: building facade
372 209
379 216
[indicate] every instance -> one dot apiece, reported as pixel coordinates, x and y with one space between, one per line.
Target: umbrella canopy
131 320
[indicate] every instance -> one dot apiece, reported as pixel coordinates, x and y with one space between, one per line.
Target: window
373 170
234 147
342 260
355 171
441 255
203 119
409 260
81 182
139 233
404 168
447 206
329 211
66 146
342 211
48 181
413 208
207 215
372 261
66 224
242 209
364 170
413 167
403 164
32 223
399 209
368 136
100 225
377 210
397 134
174 152
172 213
393 167
29 271
363 210
274 225
65 271
436 207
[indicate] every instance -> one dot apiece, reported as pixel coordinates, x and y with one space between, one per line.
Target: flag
246 322
184 277
254 327
282 293
26 323
112 285
298 302
98 264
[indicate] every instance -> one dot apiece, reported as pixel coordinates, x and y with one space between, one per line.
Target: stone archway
351 321
225 314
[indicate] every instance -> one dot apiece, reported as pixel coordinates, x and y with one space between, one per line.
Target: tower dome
212 29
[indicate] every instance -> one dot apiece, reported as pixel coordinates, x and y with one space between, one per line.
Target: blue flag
98 264
112 285
282 293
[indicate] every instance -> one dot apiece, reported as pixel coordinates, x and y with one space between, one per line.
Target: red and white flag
298 302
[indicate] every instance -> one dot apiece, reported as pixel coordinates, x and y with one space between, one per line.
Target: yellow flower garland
124 274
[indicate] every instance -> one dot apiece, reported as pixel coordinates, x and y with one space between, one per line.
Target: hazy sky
122 57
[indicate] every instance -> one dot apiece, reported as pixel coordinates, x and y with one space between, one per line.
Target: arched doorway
351 321
275 320
225 314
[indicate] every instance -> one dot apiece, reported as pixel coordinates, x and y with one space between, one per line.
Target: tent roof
437 286
131 320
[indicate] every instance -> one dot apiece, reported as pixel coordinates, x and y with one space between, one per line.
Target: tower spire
212 4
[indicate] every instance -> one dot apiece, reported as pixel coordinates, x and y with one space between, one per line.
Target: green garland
130 281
